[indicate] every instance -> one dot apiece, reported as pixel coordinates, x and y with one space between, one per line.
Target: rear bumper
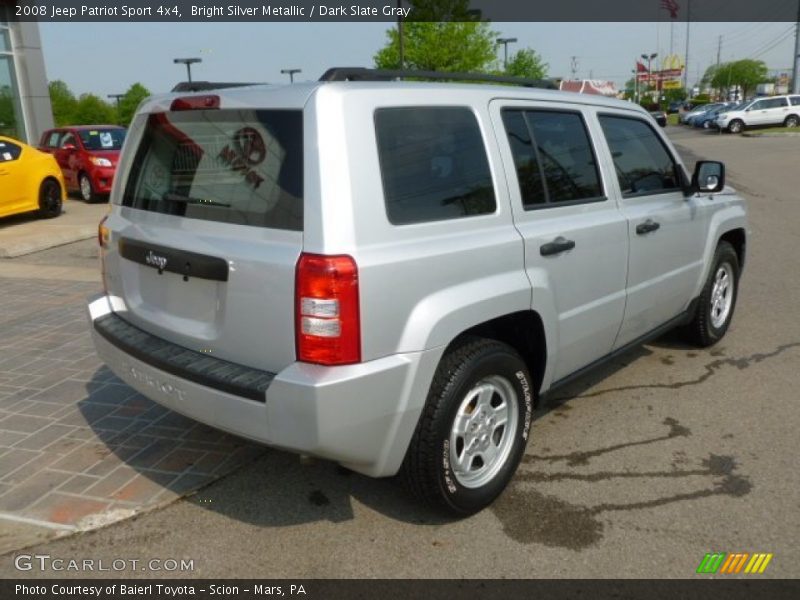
362 416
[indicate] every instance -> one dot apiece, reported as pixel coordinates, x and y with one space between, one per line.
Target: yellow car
29 180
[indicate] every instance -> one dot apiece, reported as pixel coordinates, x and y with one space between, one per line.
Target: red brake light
327 320
195 103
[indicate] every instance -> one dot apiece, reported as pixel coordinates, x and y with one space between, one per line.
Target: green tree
91 110
130 101
463 46
527 63
63 102
746 73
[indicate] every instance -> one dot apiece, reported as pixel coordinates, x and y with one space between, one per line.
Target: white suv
761 112
389 274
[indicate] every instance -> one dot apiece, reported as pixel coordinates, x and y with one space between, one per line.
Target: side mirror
709 177
68 147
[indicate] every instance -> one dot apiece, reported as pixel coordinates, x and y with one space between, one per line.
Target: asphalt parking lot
637 470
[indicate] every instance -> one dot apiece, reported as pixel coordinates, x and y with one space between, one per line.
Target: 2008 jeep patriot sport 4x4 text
389 274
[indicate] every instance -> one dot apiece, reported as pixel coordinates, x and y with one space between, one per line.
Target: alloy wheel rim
721 295
482 434
86 188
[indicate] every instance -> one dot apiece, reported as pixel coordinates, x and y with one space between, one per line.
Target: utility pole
573 66
686 59
719 58
400 35
796 62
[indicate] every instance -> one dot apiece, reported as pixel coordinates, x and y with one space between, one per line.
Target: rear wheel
50 199
718 299
791 121
736 126
473 430
86 188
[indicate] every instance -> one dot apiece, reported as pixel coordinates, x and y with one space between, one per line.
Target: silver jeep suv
390 274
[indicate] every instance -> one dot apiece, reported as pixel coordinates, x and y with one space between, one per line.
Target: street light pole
116 97
649 58
188 62
505 42
290 73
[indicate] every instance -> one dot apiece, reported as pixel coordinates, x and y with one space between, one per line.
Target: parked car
708 119
29 180
701 111
762 112
675 107
390 274
660 117
87 155
690 113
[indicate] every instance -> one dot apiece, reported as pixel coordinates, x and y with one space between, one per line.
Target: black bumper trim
184 363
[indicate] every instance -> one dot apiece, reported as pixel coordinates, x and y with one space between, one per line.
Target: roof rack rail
364 74
204 86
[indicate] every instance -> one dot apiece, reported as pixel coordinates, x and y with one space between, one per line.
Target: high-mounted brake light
327 320
195 103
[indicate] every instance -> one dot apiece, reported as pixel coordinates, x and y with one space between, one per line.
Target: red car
87 155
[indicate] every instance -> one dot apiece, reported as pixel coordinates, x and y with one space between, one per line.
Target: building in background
589 86
25 110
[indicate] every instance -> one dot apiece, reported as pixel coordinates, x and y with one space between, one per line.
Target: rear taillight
103 233
195 103
103 237
327 321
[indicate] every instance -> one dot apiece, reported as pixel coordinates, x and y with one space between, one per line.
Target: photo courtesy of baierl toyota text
403 298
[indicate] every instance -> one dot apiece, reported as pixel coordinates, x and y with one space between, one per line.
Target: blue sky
105 58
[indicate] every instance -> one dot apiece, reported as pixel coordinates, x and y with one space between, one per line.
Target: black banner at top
412 10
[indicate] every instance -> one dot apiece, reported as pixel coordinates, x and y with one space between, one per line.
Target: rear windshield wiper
189 200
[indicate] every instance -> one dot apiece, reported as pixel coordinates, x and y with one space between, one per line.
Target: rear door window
233 166
554 143
434 165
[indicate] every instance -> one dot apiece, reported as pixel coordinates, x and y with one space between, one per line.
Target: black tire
705 329
736 126
792 121
428 470
50 199
86 189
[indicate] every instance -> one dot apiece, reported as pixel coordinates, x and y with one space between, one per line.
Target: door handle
647 227
557 246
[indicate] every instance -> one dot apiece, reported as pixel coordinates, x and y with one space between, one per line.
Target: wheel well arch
738 239
54 180
523 331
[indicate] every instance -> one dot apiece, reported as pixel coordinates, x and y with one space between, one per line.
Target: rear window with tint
233 166
433 162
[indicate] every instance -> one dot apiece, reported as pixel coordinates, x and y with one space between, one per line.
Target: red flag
640 68
672 6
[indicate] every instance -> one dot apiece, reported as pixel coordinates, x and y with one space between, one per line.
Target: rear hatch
204 246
